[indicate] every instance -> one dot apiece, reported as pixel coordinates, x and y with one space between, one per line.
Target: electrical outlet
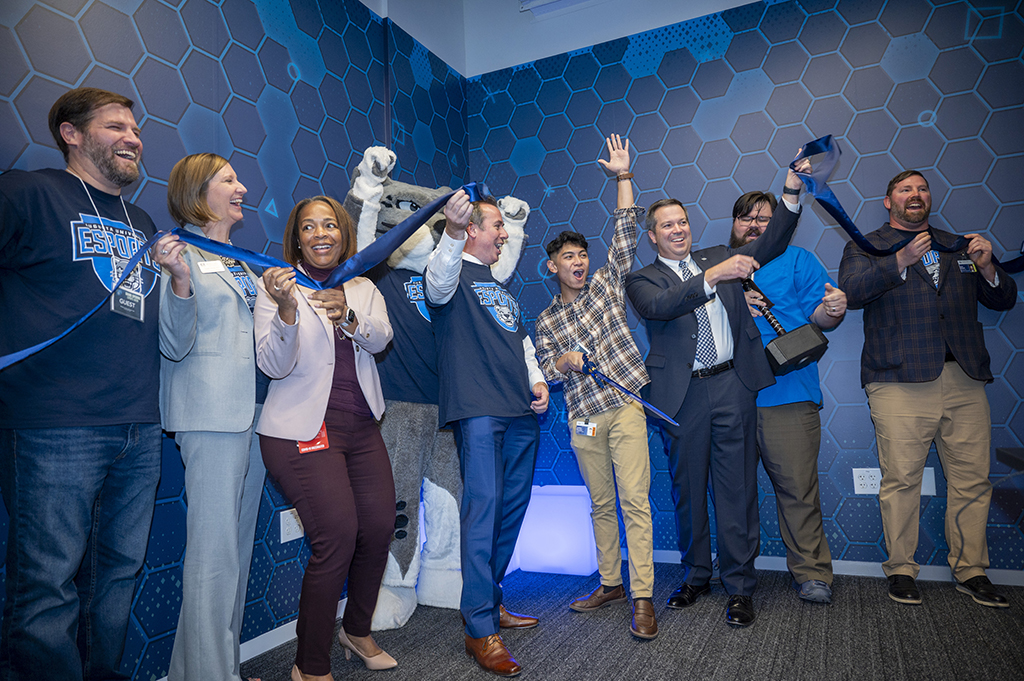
928 483
866 480
291 526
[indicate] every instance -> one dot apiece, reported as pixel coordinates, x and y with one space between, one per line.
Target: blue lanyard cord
360 262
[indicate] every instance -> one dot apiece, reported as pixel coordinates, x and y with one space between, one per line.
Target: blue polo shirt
795 283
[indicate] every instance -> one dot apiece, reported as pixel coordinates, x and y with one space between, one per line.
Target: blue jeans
81 503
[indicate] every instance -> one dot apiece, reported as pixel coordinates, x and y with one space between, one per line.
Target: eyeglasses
747 220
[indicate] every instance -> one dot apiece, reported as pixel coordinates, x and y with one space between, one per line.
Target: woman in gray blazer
210 400
319 434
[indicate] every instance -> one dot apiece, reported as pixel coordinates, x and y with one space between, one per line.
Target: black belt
712 371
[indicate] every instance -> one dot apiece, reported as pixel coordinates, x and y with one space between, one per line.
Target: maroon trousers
345 496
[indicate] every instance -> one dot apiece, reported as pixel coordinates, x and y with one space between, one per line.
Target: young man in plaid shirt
609 430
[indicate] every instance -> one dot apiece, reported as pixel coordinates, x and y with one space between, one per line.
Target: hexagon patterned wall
293 91
718 106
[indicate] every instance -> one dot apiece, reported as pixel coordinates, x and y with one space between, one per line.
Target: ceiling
479 36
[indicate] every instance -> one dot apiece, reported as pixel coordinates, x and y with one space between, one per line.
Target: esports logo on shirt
110 244
414 291
499 303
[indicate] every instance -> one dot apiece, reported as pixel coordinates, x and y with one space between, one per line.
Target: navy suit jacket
667 304
908 324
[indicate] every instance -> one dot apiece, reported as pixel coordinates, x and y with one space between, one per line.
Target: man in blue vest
491 389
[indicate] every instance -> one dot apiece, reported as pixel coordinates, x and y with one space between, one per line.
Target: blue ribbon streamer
359 263
817 185
590 369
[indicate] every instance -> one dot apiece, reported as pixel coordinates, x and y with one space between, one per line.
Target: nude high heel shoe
375 663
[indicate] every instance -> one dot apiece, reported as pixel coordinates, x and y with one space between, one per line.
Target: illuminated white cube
557 534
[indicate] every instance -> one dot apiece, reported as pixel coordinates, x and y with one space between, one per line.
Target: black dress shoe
740 611
687 595
903 589
983 592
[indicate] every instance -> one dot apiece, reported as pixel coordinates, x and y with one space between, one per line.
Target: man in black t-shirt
79 420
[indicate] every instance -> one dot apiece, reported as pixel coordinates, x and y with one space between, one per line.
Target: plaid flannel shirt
597 320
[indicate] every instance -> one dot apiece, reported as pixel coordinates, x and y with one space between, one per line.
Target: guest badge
128 304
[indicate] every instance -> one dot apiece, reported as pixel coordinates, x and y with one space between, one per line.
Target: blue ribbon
359 263
816 184
590 369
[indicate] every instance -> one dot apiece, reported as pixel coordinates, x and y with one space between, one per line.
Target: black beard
106 161
737 242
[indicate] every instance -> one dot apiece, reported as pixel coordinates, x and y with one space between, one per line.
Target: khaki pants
788 440
953 410
617 454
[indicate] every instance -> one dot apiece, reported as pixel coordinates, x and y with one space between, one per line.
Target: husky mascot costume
422 457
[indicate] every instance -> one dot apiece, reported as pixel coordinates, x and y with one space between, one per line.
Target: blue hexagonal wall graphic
293 92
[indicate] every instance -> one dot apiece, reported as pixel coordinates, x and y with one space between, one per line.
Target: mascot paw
514 209
379 162
395 605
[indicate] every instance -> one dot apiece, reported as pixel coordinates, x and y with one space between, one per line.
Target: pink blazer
300 358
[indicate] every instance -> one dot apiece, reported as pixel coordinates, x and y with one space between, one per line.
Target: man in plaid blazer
924 367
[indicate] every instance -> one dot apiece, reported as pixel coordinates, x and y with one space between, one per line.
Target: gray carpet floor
861 636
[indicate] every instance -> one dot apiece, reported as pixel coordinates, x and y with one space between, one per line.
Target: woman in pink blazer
318 431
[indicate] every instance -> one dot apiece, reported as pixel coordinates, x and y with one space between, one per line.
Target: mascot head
377 203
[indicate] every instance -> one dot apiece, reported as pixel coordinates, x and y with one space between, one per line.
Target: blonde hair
187 186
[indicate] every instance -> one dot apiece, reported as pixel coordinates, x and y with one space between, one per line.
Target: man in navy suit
924 368
706 365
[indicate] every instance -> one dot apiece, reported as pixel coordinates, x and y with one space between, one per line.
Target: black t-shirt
57 261
481 362
408 366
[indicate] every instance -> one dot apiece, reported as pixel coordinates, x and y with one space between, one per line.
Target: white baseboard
929 573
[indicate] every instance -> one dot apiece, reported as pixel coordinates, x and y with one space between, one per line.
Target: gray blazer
208 356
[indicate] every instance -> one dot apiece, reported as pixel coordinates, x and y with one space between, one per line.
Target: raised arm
622 251
445 264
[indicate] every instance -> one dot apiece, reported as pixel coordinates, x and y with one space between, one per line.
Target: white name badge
208 266
586 429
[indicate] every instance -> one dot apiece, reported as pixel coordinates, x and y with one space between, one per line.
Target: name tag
586 429
966 266
128 304
317 443
208 266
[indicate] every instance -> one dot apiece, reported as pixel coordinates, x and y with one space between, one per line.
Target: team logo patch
110 244
414 291
499 303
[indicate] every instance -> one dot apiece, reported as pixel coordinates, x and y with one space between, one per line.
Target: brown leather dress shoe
492 655
513 620
598 598
644 625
